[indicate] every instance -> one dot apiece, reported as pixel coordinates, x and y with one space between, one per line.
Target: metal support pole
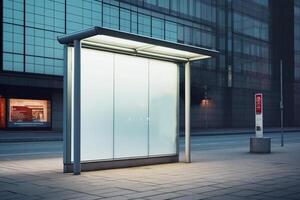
76 124
281 105
205 105
187 112
65 109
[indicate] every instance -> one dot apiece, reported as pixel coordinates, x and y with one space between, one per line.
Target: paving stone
11 195
214 174
165 196
246 193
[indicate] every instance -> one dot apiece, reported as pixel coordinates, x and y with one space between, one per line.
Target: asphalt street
54 148
236 141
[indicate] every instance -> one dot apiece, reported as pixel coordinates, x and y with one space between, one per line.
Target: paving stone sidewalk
214 174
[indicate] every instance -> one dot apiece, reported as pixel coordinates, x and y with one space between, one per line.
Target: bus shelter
121 99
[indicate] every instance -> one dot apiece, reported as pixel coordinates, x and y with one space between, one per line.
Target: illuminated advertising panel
2 113
259 114
29 113
258 103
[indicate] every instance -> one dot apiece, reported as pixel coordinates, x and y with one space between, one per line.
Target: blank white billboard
96 105
162 107
128 106
131 106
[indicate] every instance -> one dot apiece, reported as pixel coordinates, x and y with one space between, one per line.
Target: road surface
54 148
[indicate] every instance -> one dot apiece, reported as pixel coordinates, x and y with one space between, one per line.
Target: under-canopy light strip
130 50
142 51
199 58
144 47
163 56
107 46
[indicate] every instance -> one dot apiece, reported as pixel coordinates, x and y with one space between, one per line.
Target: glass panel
157 28
131 106
124 20
162 107
171 31
29 113
110 16
144 25
96 105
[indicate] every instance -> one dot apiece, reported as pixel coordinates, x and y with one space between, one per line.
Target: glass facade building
222 88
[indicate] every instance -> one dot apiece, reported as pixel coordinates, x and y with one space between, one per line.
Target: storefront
30 108
25 113
28 113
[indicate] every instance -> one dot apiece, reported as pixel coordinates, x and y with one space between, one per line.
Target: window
124 20
134 25
144 25
262 2
13 38
13 12
183 6
251 27
187 35
46 14
164 4
29 113
13 62
180 33
110 16
174 5
157 28
171 31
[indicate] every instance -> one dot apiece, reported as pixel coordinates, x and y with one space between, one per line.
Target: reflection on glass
131 106
96 105
128 106
162 107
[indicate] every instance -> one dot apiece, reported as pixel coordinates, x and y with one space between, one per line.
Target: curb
181 134
60 138
12 140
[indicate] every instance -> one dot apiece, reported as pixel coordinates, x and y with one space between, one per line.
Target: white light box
129 106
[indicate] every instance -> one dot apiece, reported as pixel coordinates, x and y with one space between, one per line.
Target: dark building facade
253 36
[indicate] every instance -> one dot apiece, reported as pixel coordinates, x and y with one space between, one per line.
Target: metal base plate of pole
260 145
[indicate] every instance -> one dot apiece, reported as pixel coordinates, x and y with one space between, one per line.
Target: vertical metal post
65 109
281 104
205 106
76 123
187 112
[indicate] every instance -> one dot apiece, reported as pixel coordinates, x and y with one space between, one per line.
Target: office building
253 36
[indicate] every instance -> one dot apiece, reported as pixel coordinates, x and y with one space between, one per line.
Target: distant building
251 35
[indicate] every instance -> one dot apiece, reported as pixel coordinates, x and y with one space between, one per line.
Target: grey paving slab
213 174
165 196
247 193
294 196
120 192
230 197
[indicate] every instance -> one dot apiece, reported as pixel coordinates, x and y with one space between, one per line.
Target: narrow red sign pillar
259 115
